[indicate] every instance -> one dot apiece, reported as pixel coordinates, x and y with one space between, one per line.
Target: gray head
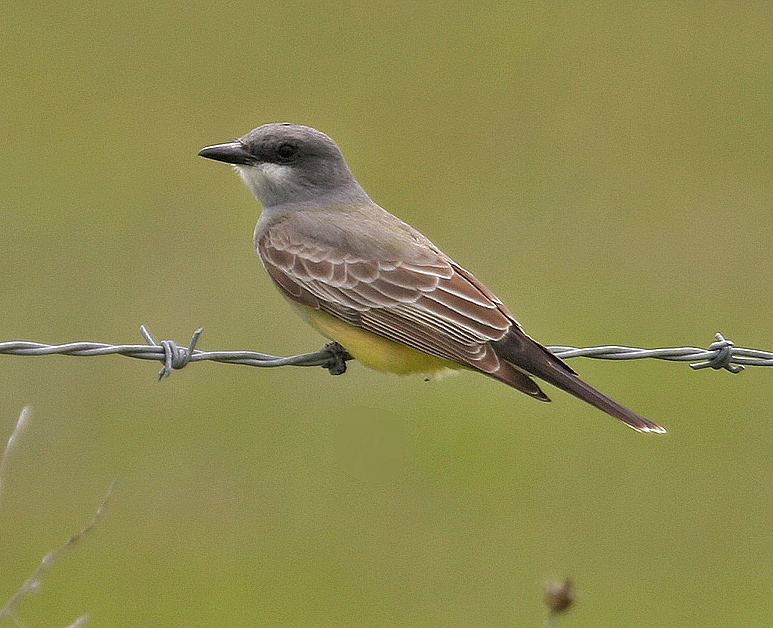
285 163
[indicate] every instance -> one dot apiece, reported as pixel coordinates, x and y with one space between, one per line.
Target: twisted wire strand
721 354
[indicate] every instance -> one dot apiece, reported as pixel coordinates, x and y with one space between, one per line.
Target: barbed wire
721 354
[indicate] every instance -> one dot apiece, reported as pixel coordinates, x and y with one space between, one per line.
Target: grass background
604 167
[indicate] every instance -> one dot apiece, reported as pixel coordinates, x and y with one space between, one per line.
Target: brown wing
429 303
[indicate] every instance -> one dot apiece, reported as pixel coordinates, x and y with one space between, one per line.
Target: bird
372 283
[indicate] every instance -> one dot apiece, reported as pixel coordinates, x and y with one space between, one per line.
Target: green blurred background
604 167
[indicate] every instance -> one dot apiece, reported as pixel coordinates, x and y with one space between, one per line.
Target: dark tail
530 357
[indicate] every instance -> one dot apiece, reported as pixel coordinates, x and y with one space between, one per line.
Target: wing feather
421 299
425 302
321 270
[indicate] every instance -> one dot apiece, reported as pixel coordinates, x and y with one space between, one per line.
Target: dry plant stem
33 582
22 421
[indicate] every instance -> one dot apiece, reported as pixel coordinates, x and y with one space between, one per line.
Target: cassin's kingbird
367 280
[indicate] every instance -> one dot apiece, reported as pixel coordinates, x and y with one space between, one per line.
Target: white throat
270 183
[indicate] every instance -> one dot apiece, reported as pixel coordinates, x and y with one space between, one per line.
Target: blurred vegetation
604 167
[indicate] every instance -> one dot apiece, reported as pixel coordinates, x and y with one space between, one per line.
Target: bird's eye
286 152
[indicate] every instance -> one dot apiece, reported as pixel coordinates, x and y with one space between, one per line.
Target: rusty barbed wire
721 354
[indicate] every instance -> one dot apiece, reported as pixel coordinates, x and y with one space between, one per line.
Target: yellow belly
374 351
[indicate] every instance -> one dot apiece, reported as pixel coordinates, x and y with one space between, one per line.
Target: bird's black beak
231 153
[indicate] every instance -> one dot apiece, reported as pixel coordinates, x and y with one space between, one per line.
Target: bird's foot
338 357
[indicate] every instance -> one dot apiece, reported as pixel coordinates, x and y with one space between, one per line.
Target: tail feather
522 354
519 380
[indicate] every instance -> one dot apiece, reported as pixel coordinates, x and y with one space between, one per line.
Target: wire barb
721 354
174 357
723 358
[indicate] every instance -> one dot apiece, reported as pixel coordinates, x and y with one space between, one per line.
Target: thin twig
33 582
22 421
